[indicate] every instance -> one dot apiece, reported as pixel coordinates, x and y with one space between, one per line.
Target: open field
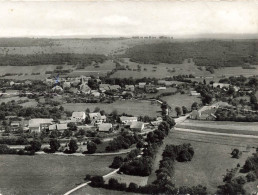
211 159
181 100
34 175
244 128
132 107
96 46
161 70
100 191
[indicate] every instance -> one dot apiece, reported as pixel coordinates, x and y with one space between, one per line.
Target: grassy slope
45 174
211 159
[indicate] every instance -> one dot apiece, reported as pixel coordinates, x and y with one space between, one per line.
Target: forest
215 53
48 59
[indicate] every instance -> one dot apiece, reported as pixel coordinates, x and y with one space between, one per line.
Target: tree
97 181
171 122
93 84
35 145
164 108
102 112
236 153
92 147
72 126
117 162
184 109
97 109
132 187
87 110
178 111
54 145
73 146
194 106
67 133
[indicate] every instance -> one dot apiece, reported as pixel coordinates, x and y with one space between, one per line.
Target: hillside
216 53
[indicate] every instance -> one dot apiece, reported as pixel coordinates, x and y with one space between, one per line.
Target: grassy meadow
48 174
132 107
211 158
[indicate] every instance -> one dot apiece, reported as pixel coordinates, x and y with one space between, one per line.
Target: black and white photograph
128 97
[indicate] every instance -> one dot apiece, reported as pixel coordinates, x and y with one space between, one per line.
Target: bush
96 141
97 181
35 145
54 145
92 147
250 177
236 153
133 187
73 146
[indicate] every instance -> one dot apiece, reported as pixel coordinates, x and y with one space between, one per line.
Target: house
28 82
58 127
157 121
220 85
38 124
105 127
78 116
57 88
150 89
73 90
126 119
129 87
66 84
97 118
95 93
85 89
195 115
49 81
194 93
161 88
104 87
11 83
15 125
114 87
141 85
137 126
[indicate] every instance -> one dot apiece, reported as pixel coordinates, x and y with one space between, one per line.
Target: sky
127 18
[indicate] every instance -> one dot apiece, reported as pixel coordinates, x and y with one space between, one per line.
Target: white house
137 126
39 124
96 118
58 127
126 119
78 116
105 127
194 93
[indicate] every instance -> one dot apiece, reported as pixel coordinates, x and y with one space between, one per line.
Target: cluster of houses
98 122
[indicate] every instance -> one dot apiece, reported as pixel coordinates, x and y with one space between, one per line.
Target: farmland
181 100
33 175
96 46
211 159
222 126
132 107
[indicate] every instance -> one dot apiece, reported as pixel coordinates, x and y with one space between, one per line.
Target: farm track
215 139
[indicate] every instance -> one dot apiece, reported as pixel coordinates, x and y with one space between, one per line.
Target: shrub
97 181
133 187
96 140
236 153
73 146
92 147
250 177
